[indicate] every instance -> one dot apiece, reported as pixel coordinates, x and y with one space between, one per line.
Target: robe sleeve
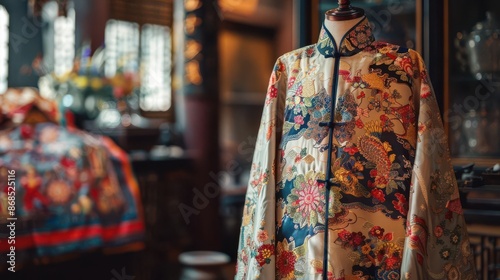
436 244
256 248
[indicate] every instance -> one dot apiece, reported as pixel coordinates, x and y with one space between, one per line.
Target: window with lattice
4 49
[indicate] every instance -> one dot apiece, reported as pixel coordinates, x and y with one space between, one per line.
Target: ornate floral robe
394 208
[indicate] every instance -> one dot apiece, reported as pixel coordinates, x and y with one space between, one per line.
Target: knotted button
326 124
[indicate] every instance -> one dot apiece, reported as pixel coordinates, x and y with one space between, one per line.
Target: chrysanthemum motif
285 264
306 203
264 254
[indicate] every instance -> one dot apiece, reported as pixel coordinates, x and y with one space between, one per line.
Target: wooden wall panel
143 11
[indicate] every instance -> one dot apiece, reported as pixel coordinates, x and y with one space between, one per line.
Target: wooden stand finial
344 12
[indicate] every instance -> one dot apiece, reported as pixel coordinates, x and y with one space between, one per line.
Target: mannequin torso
339 28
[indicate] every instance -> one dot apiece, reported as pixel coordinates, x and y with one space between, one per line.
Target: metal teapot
480 49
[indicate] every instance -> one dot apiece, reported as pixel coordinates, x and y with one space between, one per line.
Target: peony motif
351 239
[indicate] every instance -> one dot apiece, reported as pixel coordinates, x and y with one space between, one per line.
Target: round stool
203 265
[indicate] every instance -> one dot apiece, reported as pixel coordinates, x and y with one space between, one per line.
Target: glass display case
472 80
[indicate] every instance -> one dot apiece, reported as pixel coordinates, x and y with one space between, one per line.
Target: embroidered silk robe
69 191
394 210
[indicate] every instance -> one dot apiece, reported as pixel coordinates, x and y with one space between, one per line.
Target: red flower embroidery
298 158
377 231
378 194
351 150
291 82
357 239
264 254
421 128
438 231
273 92
361 95
353 239
401 204
262 235
392 262
344 235
345 74
286 263
425 91
381 181
310 52
359 123
27 131
388 237
373 173
455 206
371 185
420 258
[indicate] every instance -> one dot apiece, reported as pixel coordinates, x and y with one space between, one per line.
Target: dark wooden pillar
201 112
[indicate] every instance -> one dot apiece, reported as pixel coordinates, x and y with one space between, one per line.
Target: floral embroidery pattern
394 211
373 250
286 260
306 203
264 254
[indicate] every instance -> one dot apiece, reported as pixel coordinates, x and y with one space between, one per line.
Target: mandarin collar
356 39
